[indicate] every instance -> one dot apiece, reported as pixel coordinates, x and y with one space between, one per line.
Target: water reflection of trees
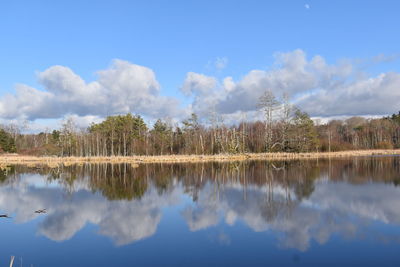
290 197
6 172
124 181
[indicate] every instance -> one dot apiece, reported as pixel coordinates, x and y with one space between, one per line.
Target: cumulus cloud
316 86
204 90
122 88
196 83
83 121
319 88
373 96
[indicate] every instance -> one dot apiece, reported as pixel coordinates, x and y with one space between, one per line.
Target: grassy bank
12 159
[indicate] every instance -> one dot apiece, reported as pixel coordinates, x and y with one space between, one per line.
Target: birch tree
268 104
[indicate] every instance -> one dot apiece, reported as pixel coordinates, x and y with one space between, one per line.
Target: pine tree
6 142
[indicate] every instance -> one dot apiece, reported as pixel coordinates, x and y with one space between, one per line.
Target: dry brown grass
54 162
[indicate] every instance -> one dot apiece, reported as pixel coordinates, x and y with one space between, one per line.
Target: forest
284 128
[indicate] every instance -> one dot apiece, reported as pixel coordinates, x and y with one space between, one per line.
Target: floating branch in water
41 211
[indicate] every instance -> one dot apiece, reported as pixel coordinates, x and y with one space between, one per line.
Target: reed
12 261
54 162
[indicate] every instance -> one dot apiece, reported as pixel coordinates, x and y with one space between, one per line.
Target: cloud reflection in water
331 207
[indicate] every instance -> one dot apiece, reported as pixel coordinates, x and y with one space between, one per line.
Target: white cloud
204 90
372 96
122 88
196 83
83 121
307 6
319 88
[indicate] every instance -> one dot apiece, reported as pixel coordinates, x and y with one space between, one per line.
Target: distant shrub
45 150
384 145
335 146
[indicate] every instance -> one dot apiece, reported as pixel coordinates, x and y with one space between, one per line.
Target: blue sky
174 38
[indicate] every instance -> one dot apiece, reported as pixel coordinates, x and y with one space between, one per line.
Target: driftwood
41 211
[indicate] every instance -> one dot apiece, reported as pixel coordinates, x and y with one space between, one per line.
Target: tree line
284 128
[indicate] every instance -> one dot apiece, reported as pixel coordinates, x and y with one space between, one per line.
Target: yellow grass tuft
134 161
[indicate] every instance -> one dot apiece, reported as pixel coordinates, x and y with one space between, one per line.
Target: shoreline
15 159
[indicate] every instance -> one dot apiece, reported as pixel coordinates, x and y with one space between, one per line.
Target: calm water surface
343 212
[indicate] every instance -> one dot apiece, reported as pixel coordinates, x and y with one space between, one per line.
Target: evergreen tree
6 142
303 133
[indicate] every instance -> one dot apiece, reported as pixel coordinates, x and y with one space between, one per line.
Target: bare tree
287 114
268 104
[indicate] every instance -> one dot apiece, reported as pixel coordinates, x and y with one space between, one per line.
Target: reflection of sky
39 181
369 211
333 208
122 221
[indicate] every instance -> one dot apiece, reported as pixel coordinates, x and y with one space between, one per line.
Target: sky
167 59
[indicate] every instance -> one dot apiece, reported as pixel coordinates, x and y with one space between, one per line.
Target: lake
338 212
